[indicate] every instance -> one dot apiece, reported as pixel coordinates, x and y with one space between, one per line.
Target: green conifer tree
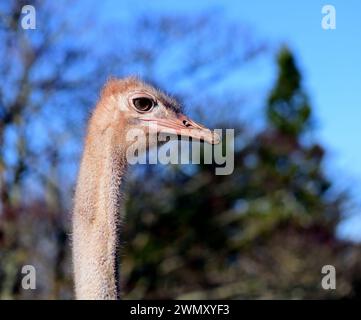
288 107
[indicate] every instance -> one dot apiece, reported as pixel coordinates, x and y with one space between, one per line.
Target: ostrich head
130 104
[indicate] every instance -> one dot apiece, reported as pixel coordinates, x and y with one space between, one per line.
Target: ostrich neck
96 217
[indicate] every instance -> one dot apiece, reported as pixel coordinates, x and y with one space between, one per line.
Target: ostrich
124 105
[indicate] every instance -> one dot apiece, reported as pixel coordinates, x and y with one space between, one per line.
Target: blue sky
329 60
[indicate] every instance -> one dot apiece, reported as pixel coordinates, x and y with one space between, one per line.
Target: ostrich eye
143 104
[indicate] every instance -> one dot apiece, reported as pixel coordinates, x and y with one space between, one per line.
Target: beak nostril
186 123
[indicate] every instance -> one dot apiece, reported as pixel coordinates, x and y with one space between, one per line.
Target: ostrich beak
182 126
